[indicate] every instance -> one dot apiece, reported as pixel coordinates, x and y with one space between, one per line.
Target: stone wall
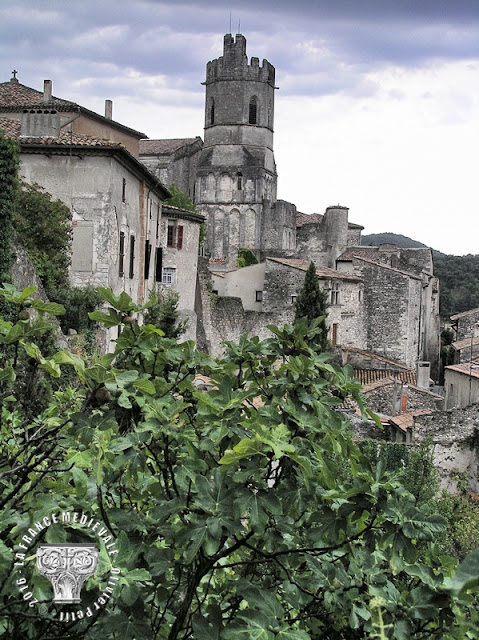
224 318
455 439
392 302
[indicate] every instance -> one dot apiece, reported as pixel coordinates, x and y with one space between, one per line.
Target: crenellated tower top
233 64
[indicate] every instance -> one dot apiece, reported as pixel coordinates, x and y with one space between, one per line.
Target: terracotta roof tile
467 368
370 377
66 138
10 127
305 218
465 344
471 312
406 420
15 94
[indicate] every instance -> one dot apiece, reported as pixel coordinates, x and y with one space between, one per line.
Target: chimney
422 375
108 109
47 91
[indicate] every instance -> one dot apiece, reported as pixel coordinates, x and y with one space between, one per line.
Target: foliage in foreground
244 512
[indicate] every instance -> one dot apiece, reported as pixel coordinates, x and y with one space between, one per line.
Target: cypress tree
8 184
311 304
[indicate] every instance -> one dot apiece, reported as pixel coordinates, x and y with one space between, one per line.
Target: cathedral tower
236 173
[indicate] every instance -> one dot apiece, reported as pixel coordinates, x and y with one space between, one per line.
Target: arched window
253 111
212 112
239 177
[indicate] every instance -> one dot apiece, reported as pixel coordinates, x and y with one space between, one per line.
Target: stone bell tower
236 173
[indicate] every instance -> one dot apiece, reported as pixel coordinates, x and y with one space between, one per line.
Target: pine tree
311 304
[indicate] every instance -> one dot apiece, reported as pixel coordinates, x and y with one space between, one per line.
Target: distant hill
458 275
403 242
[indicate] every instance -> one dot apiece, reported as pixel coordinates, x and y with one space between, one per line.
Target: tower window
212 112
239 177
253 110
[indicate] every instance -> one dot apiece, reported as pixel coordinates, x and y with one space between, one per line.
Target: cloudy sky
377 107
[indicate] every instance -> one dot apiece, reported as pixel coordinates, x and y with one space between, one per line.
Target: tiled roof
15 94
10 127
66 138
467 368
316 218
471 312
321 272
305 218
363 252
15 97
369 354
406 420
374 378
166 146
381 265
184 214
465 344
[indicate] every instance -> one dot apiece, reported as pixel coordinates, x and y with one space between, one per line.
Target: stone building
461 384
177 260
41 113
382 300
173 161
115 204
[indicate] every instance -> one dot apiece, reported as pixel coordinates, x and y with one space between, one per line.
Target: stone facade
177 262
116 211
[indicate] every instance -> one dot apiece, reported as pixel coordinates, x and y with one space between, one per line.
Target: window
121 261
179 237
212 112
293 299
253 110
174 237
359 295
123 191
239 177
259 296
147 259
132 256
335 293
168 276
171 235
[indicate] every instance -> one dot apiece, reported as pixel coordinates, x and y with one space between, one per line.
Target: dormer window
253 111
